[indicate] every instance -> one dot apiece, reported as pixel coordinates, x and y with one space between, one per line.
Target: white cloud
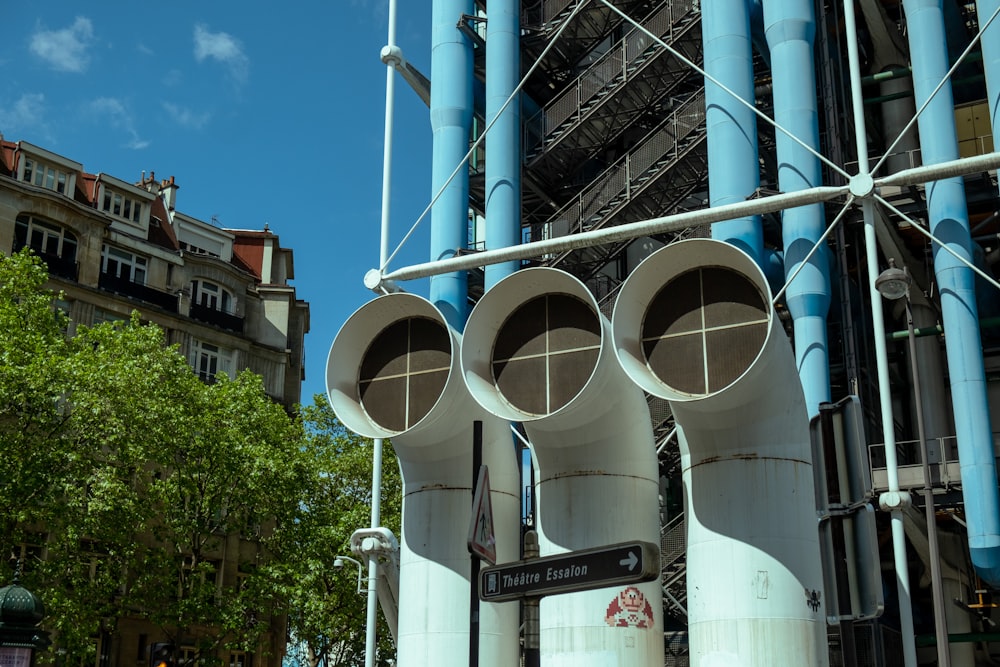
114 111
25 116
66 49
186 117
173 77
223 47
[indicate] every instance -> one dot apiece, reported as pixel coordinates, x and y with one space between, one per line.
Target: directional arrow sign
625 563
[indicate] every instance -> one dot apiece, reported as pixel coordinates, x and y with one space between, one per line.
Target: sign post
478 473
587 569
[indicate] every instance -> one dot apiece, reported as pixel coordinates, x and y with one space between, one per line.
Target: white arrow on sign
631 561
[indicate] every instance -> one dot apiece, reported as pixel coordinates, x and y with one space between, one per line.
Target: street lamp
894 284
338 562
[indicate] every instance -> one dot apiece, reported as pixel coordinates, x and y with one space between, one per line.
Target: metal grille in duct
703 329
545 353
404 372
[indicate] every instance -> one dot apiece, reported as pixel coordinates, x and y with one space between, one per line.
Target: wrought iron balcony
217 318
126 287
59 267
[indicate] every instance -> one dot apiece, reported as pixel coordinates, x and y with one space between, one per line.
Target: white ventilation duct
393 373
538 351
694 325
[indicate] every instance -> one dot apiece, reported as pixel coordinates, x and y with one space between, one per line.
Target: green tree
33 351
132 477
327 617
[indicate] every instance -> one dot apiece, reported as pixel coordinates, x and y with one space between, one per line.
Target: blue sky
273 115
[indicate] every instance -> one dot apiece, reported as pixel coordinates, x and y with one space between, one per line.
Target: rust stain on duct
591 473
747 456
464 489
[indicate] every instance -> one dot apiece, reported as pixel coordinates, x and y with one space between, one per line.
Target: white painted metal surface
596 475
435 455
755 595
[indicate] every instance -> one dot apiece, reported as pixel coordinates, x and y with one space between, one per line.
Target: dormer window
43 169
121 206
45 176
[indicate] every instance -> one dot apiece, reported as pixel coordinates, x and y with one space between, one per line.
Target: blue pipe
990 44
733 168
949 220
503 142
790 27
451 123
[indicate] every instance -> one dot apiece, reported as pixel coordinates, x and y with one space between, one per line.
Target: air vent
404 371
704 329
545 353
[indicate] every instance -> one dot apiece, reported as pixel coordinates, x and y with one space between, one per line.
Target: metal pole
371 619
862 186
940 618
477 461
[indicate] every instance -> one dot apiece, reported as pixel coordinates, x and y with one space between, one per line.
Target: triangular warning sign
482 541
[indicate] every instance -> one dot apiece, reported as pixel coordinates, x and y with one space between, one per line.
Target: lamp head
338 562
893 283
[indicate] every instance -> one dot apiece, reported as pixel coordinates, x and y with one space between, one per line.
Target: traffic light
161 654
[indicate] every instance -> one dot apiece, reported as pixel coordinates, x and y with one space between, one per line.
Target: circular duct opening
545 352
704 329
404 371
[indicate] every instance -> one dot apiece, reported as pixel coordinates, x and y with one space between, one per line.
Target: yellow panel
968 148
964 124
981 119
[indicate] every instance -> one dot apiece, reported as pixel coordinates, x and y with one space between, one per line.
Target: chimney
168 191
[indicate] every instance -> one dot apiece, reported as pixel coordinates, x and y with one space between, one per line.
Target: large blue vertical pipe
990 44
733 171
949 222
790 27
503 142
451 122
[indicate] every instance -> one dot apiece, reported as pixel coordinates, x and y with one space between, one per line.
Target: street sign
625 563
482 541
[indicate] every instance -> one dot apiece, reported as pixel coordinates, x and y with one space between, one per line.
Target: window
30 552
196 250
121 206
209 360
45 176
124 265
43 237
209 295
240 659
101 315
188 655
62 309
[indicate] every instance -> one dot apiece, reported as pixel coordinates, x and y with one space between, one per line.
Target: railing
553 8
608 71
58 266
216 317
628 175
672 541
126 287
945 471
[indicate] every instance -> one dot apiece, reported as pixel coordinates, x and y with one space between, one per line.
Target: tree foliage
127 479
327 616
